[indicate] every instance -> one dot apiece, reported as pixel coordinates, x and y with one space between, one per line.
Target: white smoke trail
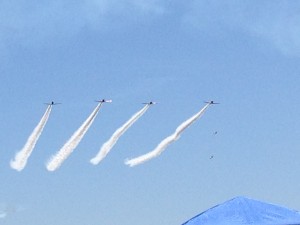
56 160
22 156
167 141
107 146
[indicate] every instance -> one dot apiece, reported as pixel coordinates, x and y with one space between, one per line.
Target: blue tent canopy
245 211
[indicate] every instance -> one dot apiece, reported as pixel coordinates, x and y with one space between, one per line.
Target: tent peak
243 211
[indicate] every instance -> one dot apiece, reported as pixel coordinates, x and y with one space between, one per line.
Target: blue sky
243 54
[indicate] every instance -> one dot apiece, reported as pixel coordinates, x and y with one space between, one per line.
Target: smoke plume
22 156
107 146
56 161
167 141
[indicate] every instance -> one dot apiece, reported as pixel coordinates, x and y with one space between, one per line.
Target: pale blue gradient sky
245 55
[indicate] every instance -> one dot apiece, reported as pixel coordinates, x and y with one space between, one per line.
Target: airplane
149 103
103 101
52 103
212 102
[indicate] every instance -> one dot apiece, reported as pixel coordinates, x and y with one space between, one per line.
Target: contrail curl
167 141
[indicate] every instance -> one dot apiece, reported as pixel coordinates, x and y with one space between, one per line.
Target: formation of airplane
52 103
104 101
109 101
3 214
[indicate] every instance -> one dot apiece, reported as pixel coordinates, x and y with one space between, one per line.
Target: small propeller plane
52 103
212 102
149 103
104 101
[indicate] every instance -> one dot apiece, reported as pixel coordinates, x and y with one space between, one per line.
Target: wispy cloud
277 22
31 23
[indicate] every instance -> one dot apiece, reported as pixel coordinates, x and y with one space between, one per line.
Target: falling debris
167 141
22 156
72 143
107 146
